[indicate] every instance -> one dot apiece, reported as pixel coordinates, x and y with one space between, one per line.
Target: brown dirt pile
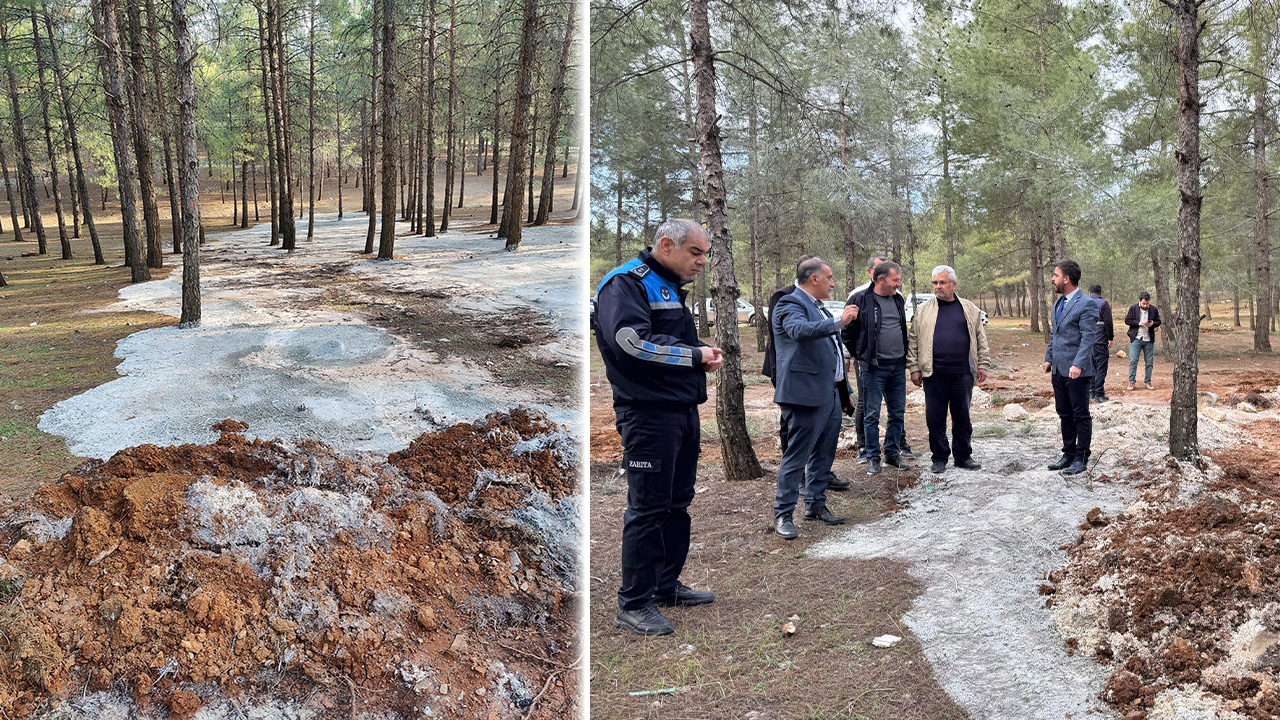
1181 594
246 572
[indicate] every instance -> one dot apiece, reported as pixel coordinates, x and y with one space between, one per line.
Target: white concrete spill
982 542
265 354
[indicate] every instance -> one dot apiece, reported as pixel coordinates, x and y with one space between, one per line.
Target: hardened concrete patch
264 355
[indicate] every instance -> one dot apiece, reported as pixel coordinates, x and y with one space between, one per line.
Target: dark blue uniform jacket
647 337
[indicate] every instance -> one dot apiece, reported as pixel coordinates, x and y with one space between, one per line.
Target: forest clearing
1015 596
325 465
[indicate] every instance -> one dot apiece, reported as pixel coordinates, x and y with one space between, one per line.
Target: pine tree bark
533 150
269 126
190 167
387 242
135 80
10 196
1261 235
739 457
497 115
121 135
27 177
311 124
165 121
63 239
337 122
553 124
753 200
370 195
450 156
429 174
284 133
510 228
1183 430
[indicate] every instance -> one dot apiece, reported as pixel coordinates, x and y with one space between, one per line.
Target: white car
745 310
922 298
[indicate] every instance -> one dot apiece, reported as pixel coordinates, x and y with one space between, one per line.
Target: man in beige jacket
946 350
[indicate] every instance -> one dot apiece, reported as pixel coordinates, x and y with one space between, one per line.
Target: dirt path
964 554
322 343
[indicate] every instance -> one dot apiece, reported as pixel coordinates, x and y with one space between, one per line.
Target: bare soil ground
736 556
283 578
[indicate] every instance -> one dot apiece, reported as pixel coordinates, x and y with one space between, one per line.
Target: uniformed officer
657 368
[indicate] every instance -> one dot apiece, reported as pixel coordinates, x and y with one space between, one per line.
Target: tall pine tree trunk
189 166
429 174
137 87
165 120
450 151
63 239
739 457
510 228
10 196
386 243
269 128
72 136
311 124
26 176
553 123
370 196
497 114
121 135
1184 441
1261 235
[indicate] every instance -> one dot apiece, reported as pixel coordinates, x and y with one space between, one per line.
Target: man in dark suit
810 368
1101 346
1069 357
770 370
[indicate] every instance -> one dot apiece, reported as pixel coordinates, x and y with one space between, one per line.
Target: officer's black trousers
660 454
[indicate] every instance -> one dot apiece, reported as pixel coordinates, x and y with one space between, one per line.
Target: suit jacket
1074 335
1134 316
1106 328
770 369
807 354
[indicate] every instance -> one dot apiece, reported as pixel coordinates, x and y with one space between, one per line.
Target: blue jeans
1148 350
886 382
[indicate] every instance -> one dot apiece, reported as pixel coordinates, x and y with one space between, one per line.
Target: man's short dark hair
1095 289
871 261
883 269
808 267
1144 295
1071 269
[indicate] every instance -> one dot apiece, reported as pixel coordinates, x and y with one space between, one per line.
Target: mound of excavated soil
285 580
1179 593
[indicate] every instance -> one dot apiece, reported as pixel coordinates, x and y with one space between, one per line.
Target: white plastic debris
886 641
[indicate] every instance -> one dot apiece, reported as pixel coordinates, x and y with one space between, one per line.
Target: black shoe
1076 468
824 515
645 621
906 453
968 464
938 467
1103 398
896 462
1063 462
683 595
837 484
785 528
873 466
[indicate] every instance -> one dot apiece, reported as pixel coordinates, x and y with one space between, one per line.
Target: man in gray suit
1069 357
810 368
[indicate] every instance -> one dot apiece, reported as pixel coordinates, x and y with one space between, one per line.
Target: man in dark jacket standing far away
1143 318
1101 346
658 371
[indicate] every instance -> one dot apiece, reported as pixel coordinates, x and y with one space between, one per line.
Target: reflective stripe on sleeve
629 340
